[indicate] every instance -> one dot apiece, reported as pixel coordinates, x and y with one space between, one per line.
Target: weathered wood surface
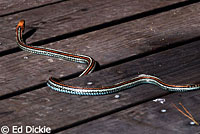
61 111
147 118
107 46
14 7
127 38
61 19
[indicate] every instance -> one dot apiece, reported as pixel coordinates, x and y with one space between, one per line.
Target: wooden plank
60 111
9 8
108 46
58 21
147 118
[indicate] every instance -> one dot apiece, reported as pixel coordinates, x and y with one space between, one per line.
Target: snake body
83 59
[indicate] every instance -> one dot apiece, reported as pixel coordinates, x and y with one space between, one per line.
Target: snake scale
90 62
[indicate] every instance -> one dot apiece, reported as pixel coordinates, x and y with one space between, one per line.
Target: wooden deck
126 38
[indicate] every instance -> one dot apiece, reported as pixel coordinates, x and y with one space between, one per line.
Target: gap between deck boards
107 113
102 26
32 8
129 39
114 111
146 118
112 64
142 55
183 55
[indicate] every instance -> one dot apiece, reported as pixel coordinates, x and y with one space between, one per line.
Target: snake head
21 24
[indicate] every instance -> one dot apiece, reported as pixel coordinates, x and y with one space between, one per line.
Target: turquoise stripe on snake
91 63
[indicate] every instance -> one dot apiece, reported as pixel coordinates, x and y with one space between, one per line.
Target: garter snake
83 59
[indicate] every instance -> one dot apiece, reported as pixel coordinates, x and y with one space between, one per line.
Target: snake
56 85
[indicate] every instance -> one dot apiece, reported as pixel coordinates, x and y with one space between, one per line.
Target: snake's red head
21 24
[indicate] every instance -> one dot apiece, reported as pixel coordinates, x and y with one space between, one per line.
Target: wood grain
60 111
108 46
69 16
147 118
127 38
13 7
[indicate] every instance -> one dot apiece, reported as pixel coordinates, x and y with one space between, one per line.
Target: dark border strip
104 25
24 10
115 63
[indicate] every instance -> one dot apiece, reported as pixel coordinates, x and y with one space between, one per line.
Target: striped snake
83 59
